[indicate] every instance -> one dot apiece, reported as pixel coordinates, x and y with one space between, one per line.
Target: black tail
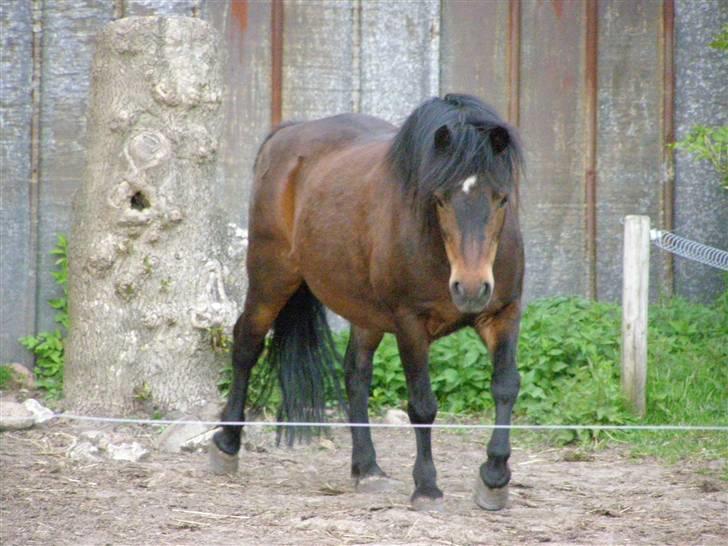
302 352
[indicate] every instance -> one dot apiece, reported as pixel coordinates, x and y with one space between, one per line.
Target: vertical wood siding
532 59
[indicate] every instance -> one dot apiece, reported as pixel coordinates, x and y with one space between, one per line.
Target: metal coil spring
686 248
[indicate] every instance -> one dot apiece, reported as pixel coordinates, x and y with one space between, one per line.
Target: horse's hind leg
500 335
365 471
266 297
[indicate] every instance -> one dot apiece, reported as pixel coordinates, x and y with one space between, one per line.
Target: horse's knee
505 387
422 411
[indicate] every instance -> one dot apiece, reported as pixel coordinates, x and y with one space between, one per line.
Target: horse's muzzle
470 299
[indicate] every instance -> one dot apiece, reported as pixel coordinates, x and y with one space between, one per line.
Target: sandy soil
304 496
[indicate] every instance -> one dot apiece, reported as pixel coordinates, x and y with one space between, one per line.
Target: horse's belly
343 286
351 302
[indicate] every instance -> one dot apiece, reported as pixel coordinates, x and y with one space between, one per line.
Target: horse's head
459 160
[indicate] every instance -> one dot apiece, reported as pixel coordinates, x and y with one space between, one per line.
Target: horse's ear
500 138
443 138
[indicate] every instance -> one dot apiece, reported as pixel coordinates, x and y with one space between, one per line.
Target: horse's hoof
488 498
220 462
428 504
377 484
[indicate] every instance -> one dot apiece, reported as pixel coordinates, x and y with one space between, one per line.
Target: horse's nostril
458 289
484 290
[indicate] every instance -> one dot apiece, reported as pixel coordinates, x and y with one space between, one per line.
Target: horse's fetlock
227 441
495 475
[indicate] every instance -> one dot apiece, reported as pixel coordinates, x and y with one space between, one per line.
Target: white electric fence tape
458 426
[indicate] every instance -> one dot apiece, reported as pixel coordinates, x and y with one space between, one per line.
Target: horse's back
290 152
310 139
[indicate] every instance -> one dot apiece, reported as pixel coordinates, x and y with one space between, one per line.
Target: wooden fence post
635 291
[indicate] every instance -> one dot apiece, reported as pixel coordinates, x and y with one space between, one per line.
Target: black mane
444 141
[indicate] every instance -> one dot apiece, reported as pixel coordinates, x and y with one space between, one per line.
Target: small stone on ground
15 416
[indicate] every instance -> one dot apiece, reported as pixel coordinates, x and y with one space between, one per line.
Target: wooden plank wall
552 123
246 29
701 74
588 82
630 134
17 270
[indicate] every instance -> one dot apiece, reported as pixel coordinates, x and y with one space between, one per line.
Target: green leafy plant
710 143
6 377
48 347
219 340
721 40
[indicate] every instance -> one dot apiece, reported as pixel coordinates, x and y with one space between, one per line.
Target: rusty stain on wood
239 12
668 130
34 193
590 127
514 61
277 23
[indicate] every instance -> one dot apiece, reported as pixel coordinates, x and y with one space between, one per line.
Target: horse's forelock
425 171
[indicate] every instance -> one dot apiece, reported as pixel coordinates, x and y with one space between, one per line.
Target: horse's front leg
414 345
500 334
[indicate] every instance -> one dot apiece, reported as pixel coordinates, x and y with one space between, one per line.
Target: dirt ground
304 496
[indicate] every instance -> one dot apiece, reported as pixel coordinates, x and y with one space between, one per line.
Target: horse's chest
441 321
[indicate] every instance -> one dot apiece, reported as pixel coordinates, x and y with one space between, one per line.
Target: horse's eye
503 202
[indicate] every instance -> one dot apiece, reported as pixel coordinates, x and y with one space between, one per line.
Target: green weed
6 377
48 347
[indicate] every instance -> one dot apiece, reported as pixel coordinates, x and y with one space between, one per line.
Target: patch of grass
6 377
687 381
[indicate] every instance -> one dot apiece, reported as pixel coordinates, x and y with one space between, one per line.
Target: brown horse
411 231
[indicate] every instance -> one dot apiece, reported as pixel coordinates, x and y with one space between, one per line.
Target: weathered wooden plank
16 67
553 128
474 51
162 7
69 30
399 60
701 206
629 136
317 58
245 28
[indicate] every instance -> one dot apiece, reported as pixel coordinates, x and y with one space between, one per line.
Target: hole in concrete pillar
139 201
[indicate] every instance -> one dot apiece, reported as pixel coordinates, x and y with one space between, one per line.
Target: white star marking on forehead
469 183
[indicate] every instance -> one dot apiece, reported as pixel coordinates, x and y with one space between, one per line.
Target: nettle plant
48 347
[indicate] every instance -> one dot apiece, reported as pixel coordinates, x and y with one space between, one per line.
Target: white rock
83 451
396 417
178 434
41 414
132 452
199 442
14 416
